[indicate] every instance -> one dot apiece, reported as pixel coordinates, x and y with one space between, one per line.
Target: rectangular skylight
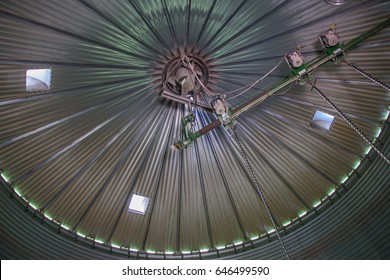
322 121
138 204
38 80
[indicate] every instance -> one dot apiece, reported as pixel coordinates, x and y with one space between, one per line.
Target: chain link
351 124
259 190
365 74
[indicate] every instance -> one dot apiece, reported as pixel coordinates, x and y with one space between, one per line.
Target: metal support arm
311 66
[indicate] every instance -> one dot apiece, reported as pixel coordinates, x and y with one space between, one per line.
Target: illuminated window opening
302 214
331 192
286 223
336 2
271 231
138 204
316 204
49 217
386 115
38 80
368 149
33 206
322 121
5 177
66 227
378 132
357 164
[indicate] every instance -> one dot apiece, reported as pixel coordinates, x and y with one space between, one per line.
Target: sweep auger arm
331 54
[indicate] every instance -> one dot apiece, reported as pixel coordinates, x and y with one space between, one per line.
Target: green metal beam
311 66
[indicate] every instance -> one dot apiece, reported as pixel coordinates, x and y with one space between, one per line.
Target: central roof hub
183 78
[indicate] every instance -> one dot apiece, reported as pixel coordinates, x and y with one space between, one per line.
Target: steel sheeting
102 132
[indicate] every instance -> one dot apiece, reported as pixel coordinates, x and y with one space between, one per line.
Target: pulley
296 63
330 42
219 105
294 59
329 38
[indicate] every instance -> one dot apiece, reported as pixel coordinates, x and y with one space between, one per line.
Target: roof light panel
322 121
138 204
38 80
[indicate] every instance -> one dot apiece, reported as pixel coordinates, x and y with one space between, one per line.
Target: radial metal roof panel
102 132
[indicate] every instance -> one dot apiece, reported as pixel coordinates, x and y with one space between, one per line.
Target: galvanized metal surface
103 133
354 226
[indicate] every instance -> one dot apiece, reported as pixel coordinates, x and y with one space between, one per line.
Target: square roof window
322 121
38 80
138 204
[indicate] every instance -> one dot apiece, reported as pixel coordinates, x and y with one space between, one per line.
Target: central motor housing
181 84
185 81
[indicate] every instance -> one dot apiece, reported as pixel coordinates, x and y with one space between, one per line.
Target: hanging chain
351 124
357 69
254 180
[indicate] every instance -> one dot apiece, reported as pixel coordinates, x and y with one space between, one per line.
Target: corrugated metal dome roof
102 133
